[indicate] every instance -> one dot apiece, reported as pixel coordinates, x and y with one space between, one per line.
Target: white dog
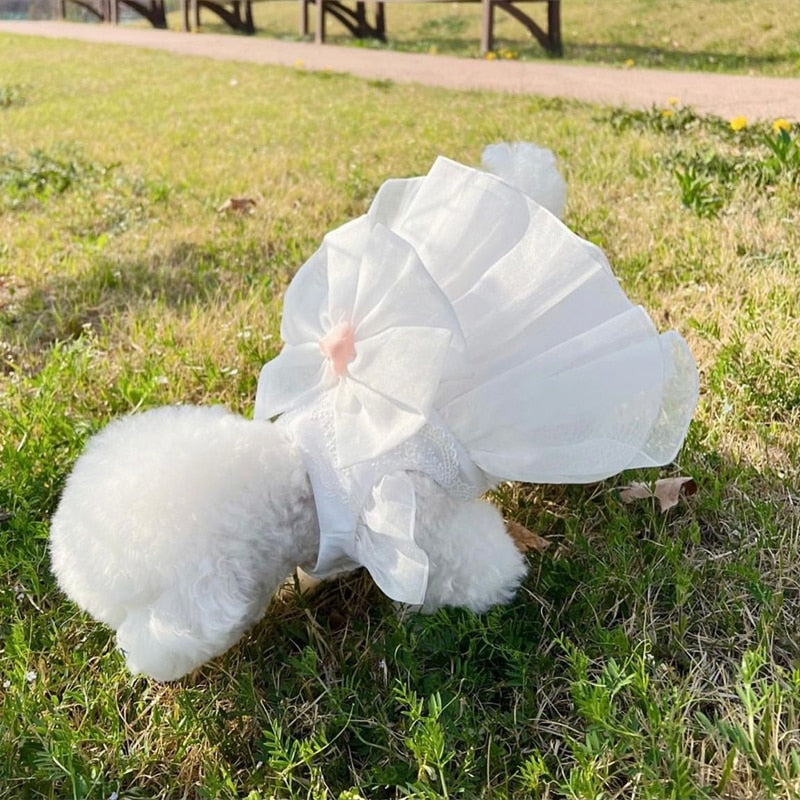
177 525
455 335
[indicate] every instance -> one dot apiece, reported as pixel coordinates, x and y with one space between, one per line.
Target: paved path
725 95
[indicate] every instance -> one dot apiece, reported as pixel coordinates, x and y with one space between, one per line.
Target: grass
648 655
739 36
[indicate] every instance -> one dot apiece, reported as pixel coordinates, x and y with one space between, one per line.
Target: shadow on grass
675 59
618 581
705 580
61 309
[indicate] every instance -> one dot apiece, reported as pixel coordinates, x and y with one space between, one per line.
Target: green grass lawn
648 655
742 36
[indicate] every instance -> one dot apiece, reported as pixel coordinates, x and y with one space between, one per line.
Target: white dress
462 330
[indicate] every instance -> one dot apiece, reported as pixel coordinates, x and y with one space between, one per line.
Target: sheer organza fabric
489 343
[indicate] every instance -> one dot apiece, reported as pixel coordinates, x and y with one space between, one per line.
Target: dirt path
725 95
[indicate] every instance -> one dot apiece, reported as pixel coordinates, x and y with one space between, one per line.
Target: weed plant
10 95
759 156
648 655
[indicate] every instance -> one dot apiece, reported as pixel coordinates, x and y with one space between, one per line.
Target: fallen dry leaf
667 491
242 205
524 539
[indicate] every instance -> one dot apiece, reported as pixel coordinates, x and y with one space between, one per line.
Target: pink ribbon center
339 346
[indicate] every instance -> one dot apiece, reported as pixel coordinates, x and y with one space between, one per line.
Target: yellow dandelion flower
629 63
673 101
491 55
667 112
781 124
738 123
509 55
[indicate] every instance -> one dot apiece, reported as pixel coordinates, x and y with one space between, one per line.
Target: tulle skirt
569 382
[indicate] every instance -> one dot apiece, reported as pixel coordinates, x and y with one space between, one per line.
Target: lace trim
341 494
433 450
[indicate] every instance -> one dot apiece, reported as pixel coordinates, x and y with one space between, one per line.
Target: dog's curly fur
175 528
177 525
